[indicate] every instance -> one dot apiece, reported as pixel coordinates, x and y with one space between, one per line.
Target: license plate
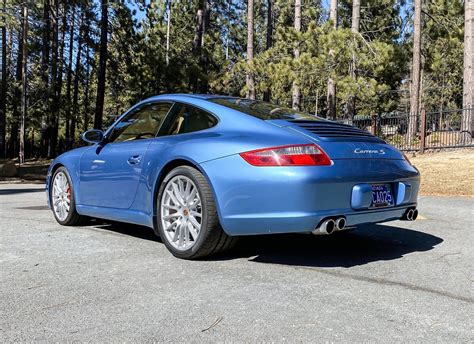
381 196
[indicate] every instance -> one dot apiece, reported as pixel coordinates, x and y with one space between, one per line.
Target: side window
189 119
143 123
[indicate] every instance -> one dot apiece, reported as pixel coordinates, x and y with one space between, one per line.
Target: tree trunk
467 124
59 79
205 19
331 96
296 81
77 76
23 83
416 75
99 107
69 78
15 121
197 44
250 32
89 71
54 109
85 125
45 130
355 26
168 25
3 93
269 42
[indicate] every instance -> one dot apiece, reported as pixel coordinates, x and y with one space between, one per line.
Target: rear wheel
62 199
187 217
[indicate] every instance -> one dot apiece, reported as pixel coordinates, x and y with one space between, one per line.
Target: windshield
263 110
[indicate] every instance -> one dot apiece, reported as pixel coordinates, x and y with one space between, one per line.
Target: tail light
294 155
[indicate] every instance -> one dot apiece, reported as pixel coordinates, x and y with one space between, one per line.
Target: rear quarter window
188 119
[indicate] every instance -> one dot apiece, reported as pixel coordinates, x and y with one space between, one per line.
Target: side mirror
93 136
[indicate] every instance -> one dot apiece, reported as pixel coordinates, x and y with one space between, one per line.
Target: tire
72 217
177 222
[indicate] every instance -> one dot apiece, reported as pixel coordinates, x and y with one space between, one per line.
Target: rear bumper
259 200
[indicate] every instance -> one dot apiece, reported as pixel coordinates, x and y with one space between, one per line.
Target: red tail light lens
295 155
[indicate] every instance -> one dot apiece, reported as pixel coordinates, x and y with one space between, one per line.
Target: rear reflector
295 155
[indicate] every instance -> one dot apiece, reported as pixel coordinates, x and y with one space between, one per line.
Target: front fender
71 161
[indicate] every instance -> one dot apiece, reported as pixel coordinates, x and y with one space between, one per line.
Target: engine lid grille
329 129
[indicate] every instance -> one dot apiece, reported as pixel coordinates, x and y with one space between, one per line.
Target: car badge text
369 151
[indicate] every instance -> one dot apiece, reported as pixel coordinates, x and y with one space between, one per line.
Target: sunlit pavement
401 281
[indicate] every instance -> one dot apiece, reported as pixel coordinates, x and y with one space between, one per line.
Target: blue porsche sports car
202 169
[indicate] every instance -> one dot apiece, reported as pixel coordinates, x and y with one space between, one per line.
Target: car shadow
140 232
346 249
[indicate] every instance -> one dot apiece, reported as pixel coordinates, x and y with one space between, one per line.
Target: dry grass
446 173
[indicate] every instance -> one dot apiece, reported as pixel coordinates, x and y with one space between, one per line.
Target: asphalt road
410 282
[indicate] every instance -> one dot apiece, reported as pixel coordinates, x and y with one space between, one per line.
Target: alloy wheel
61 196
181 212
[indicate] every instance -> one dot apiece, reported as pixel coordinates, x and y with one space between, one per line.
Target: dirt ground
449 173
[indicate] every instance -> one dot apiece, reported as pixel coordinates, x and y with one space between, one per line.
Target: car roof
189 96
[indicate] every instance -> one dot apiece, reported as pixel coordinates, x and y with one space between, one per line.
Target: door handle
134 160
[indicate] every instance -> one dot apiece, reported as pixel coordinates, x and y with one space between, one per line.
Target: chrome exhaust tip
326 227
410 215
340 223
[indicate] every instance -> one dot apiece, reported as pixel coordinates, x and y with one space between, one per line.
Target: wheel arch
49 179
167 168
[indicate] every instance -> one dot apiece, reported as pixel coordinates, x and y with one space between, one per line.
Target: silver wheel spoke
193 231
195 214
177 194
194 222
173 198
191 195
171 216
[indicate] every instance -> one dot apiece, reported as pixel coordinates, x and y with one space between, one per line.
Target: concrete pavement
401 281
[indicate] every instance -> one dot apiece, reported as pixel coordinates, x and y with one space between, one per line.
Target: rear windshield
263 110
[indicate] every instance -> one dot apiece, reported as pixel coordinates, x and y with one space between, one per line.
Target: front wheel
187 219
62 199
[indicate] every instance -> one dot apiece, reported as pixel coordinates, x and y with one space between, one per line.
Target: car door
110 171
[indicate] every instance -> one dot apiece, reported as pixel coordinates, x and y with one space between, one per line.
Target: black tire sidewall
184 171
72 205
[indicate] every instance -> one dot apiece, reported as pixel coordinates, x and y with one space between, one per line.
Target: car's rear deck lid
342 141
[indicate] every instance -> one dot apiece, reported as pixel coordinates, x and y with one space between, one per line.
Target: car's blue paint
108 178
250 200
403 193
295 199
362 196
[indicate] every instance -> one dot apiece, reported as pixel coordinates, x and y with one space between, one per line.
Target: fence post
423 131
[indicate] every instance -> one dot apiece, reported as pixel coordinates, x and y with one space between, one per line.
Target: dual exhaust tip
410 215
329 226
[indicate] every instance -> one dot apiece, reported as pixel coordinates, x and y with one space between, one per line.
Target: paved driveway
108 282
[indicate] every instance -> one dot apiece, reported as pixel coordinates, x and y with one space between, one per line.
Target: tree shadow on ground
20 191
346 249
